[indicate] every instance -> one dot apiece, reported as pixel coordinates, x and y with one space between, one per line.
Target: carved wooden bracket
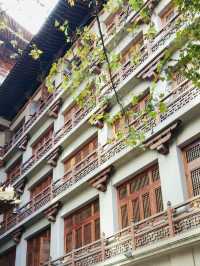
160 142
19 188
23 143
101 111
16 235
150 71
100 181
52 212
53 156
152 4
55 108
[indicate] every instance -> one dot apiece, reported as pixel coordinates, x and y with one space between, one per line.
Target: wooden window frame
43 183
14 169
9 256
80 155
42 140
95 216
34 244
191 165
131 196
166 13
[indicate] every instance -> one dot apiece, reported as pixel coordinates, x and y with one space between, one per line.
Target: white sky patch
29 13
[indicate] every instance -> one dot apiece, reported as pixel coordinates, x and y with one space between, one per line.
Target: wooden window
177 80
41 186
136 47
191 155
38 249
167 15
82 227
80 155
70 113
8 258
140 197
40 144
118 126
14 170
138 109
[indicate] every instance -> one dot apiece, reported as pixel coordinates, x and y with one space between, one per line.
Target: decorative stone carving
19 188
52 212
53 156
100 180
160 142
55 108
23 143
16 235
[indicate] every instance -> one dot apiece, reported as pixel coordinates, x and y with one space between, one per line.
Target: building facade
13 37
86 200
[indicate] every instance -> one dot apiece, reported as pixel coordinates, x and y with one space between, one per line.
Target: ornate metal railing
162 226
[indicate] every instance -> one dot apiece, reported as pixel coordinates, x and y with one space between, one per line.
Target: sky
29 13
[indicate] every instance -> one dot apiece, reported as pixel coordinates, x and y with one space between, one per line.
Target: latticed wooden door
191 155
140 197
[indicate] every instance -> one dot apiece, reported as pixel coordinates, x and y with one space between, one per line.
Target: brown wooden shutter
191 155
44 250
124 216
8 259
140 197
38 249
82 227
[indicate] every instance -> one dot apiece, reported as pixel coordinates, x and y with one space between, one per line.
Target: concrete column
58 171
108 211
57 238
173 182
21 251
104 134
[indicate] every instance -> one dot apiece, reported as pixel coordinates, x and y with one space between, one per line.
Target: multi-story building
86 200
13 38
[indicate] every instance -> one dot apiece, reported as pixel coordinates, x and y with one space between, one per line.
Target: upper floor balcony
37 109
171 225
149 50
180 97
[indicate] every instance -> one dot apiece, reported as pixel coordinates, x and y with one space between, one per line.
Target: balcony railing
176 100
37 202
81 169
28 123
149 49
166 225
158 41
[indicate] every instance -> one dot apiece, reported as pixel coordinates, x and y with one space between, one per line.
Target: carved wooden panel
140 197
191 156
38 249
82 227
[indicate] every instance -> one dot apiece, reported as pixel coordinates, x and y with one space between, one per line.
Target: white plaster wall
185 257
